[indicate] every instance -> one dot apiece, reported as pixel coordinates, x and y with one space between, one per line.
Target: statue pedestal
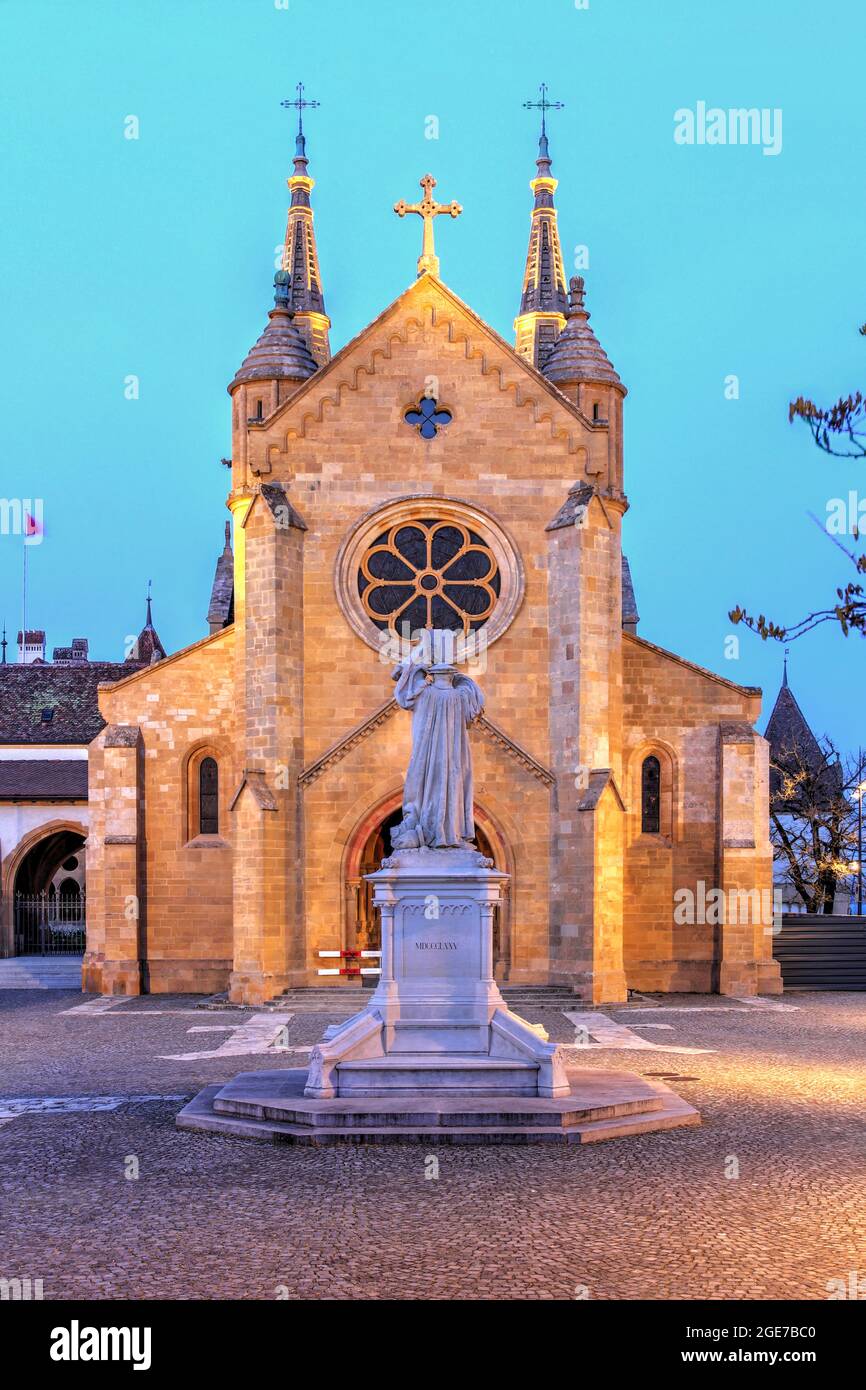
436 1057
437 1024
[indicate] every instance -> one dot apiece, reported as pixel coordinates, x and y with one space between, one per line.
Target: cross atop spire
300 105
427 209
544 106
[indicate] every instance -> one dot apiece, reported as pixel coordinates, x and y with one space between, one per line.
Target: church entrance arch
370 843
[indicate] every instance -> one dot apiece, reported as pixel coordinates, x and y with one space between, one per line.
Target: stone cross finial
427 209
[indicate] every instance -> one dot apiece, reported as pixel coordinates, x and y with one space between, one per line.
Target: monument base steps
271 1106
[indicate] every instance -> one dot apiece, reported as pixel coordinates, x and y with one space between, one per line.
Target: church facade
428 475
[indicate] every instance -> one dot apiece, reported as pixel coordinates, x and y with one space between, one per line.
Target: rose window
428 573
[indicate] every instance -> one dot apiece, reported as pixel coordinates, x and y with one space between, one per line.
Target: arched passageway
49 896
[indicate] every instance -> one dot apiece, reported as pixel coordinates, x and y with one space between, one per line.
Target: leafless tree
839 430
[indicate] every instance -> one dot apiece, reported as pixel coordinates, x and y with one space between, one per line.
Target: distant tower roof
77 652
300 255
793 746
630 615
577 355
543 301
222 595
147 646
281 353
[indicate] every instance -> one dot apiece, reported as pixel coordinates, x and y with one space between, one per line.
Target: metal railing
49 924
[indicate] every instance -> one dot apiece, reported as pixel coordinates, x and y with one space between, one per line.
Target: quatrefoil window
426 417
429 573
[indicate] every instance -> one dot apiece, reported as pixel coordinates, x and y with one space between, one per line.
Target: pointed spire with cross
544 299
428 208
301 291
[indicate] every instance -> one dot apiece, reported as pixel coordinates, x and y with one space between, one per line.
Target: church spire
544 300
300 257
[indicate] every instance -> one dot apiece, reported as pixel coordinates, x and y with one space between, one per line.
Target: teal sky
155 257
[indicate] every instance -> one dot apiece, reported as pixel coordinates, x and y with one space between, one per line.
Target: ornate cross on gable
427 209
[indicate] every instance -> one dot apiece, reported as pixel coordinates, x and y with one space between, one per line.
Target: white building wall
19 818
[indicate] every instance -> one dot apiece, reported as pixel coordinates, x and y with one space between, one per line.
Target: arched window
208 797
650 796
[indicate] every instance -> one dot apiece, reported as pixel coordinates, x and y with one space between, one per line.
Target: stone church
428 475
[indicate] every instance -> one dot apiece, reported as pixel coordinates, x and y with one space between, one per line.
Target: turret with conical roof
281 353
577 355
580 368
543 302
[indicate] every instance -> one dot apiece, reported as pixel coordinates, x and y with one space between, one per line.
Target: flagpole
23 650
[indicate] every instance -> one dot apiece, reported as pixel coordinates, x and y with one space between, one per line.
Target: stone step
540 997
339 999
355 1115
432 1073
40 972
335 1000
199 1116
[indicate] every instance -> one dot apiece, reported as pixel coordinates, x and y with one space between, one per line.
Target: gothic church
430 474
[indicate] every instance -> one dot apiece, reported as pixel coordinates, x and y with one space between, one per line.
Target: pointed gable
426 304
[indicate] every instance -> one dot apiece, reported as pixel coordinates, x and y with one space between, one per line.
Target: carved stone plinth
437 1023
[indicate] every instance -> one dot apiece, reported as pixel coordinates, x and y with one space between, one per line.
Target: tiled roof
43 779
69 692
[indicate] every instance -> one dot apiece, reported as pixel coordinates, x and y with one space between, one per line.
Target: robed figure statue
437 796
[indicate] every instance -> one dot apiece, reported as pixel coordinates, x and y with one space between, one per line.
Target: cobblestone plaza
103 1198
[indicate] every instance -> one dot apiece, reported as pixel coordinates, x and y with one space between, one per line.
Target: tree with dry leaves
813 820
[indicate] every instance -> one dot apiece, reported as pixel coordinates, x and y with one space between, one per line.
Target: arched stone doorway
371 843
46 890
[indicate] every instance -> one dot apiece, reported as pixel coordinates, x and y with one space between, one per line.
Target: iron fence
49 924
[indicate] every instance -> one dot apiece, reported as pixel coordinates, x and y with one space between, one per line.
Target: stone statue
437 796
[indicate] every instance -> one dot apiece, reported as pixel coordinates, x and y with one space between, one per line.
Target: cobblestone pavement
782 1097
